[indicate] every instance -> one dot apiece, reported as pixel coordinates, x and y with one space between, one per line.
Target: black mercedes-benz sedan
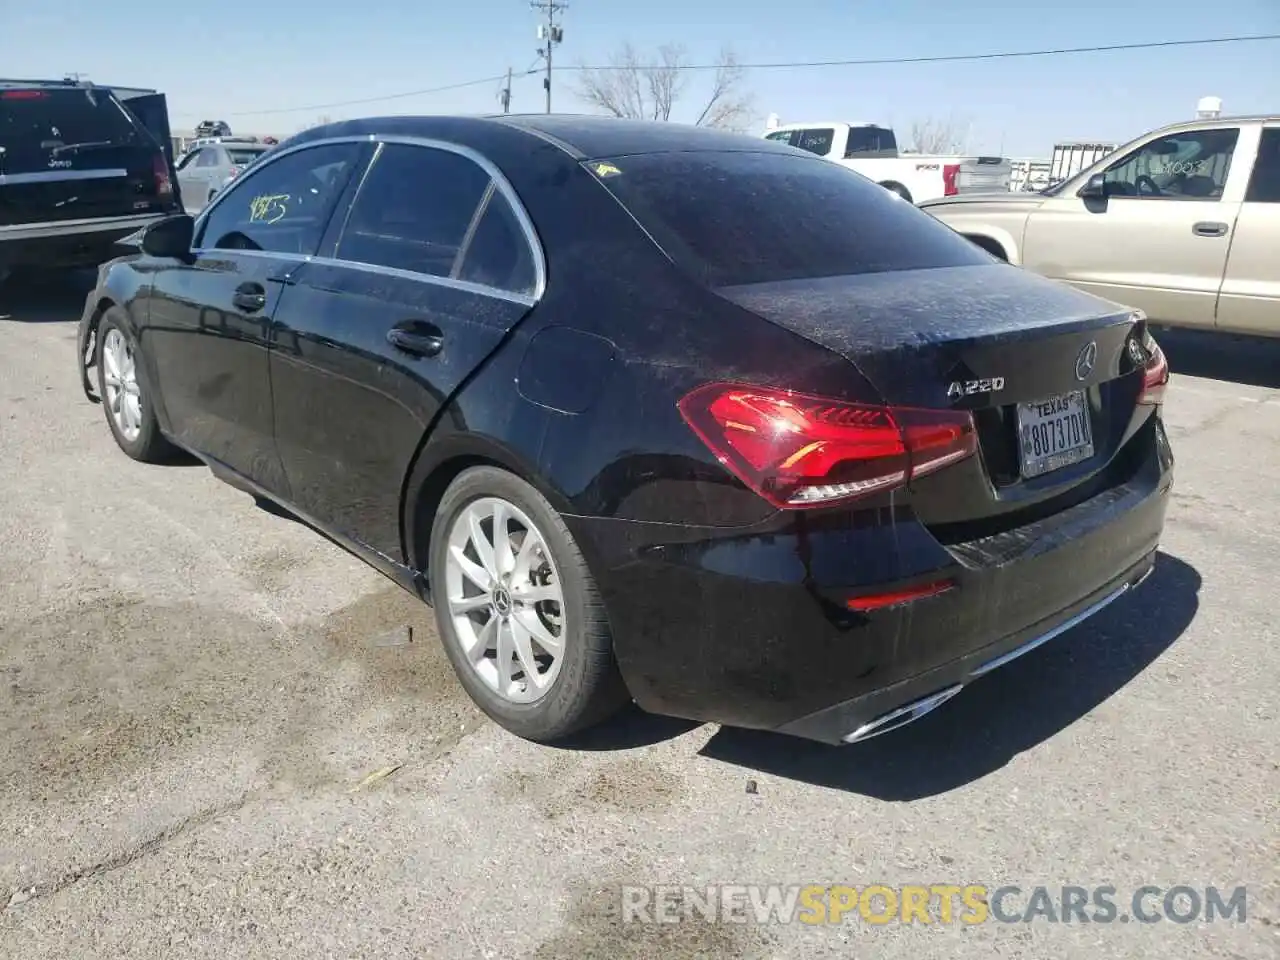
649 412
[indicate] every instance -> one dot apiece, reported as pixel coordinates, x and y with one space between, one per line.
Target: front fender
122 286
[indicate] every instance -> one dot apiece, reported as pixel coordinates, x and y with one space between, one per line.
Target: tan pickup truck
1183 223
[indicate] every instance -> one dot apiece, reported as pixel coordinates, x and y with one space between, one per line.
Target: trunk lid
75 153
995 340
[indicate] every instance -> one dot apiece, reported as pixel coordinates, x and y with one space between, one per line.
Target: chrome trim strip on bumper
62 228
58 176
1060 629
918 708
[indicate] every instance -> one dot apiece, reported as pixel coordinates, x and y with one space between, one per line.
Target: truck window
783 136
816 141
734 218
1191 165
871 141
1264 185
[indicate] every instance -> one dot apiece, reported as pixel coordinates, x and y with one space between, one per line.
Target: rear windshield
738 218
33 123
242 157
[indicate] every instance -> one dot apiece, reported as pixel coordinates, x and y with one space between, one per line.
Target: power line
953 58
789 65
390 96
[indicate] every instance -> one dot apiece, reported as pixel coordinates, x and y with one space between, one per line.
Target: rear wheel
899 189
519 613
126 396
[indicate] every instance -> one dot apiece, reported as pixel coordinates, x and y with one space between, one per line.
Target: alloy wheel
120 378
505 599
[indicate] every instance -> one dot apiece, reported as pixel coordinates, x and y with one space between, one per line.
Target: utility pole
550 33
504 94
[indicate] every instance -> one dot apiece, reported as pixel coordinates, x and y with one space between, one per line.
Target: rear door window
283 206
42 128
414 210
740 218
817 141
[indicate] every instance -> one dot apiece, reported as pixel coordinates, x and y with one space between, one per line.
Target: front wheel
126 397
519 613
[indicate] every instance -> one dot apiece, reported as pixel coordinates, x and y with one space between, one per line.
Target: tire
583 685
139 437
899 189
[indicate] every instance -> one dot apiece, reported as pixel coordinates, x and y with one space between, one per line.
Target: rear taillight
160 171
23 95
800 451
1155 374
950 171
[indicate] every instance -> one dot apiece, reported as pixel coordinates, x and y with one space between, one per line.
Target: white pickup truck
872 150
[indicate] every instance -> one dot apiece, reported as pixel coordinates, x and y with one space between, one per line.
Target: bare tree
937 136
648 88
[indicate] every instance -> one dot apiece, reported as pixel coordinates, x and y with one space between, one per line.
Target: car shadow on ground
1219 356
1008 712
45 297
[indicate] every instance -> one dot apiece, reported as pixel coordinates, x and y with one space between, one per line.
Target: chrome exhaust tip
903 715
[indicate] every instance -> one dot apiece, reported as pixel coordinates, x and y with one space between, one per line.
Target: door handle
417 337
250 297
1208 229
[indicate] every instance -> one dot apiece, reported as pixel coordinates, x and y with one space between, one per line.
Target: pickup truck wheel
899 189
989 245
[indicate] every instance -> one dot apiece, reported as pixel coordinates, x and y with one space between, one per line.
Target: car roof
582 137
594 137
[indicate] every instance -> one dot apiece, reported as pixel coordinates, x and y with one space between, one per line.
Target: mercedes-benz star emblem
1086 359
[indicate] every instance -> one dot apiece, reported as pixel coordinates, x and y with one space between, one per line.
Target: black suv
81 166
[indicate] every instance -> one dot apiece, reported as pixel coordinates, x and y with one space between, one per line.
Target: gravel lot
192 690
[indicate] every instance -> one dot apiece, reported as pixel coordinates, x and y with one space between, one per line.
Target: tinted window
736 218
282 206
187 159
413 210
783 136
865 140
816 141
1264 185
208 157
34 122
243 157
499 254
1182 166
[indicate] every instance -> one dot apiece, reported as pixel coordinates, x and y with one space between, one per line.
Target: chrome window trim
496 176
476 216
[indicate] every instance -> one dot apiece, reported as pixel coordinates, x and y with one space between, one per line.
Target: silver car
204 171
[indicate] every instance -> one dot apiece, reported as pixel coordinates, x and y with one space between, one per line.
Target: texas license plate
1054 433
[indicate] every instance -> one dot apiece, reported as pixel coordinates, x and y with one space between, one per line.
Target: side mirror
1095 188
170 237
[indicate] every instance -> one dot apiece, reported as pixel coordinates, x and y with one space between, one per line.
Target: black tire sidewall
146 441
568 694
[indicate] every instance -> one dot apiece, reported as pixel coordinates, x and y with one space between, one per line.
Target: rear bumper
68 243
748 627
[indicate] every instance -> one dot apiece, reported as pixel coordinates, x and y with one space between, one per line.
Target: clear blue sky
230 61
